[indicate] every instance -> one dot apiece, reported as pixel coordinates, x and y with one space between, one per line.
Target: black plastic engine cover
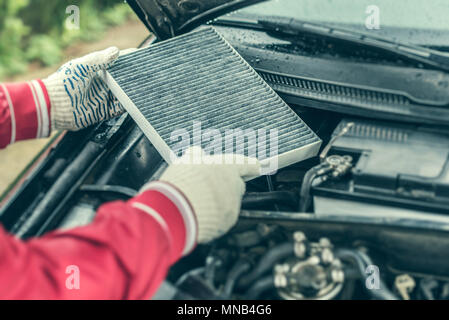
402 166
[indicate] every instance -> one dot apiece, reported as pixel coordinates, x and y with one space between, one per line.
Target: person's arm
124 254
24 112
72 98
127 250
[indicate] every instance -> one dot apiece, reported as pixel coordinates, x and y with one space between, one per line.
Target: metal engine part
314 272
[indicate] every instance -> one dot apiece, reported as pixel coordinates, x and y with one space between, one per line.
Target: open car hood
168 18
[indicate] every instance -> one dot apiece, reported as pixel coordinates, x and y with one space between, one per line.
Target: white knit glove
78 96
213 187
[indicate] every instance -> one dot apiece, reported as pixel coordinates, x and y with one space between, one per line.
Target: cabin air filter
195 89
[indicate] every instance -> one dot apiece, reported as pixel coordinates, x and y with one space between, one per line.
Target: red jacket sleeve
24 112
124 253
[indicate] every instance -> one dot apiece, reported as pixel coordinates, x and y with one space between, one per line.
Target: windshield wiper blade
416 53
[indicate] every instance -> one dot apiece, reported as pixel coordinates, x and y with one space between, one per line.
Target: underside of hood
168 18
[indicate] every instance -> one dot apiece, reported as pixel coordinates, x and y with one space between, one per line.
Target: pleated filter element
195 89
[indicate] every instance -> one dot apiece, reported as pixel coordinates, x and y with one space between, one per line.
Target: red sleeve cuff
24 111
173 213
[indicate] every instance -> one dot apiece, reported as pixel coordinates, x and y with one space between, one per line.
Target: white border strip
13 117
38 110
44 109
153 213
183 206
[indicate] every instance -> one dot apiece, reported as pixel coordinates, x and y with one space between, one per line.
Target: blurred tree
12 33
52 14
35 30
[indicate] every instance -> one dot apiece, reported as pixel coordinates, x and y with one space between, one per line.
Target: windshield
418 21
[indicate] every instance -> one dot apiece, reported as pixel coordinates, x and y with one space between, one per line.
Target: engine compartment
287 246
281 249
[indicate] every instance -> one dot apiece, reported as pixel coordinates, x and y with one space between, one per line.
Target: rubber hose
363 261
255 199
259 287
234 274
267 263
304 199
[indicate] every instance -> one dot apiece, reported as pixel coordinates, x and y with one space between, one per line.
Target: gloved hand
78 96
213 187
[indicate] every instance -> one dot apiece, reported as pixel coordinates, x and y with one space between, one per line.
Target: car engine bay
294 239
298 240
365 219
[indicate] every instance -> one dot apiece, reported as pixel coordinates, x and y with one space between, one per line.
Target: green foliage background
34 30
